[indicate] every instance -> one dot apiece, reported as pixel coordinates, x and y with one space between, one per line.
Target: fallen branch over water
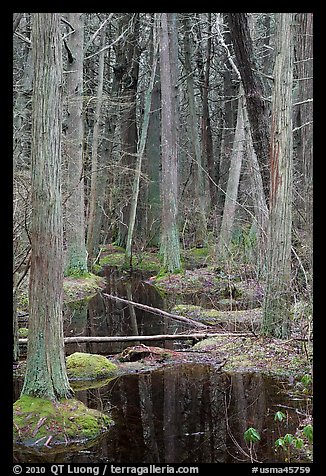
155 310
199 336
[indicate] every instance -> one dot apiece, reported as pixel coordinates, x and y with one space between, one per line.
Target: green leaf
308 432
288 439
251 435
279 442
298 443
279 416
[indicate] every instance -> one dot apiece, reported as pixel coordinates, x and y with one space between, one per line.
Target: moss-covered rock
83 366
43 423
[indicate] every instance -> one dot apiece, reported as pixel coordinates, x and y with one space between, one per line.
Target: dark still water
188 413
106 317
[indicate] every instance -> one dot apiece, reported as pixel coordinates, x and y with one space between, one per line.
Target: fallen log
81 339
155 310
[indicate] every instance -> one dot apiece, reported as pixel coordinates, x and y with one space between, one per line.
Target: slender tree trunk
233 183
94 216
140 153
199 185
304 128
153 146
76 257
170 245
206 128
129 64
276 317
260 221
46 375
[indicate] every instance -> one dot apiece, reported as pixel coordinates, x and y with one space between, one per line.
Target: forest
162 237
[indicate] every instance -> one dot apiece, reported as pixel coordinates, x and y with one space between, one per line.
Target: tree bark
254 90
46 375
170 245
276 308
260 219
233 183
304 131
76 256
153 165
129 69
139 160
199 216
94 215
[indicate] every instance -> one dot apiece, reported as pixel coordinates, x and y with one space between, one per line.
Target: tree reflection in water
186 413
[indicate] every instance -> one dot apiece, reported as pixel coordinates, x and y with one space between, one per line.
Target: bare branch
97 31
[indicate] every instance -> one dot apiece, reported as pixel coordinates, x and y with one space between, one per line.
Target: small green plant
306 380
289 442
251 436
279 416
308 432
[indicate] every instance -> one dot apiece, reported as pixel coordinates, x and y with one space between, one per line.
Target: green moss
85 366
80 288
38 421
269 356
188 309
78 385
112 259
22 300
143 261
23 332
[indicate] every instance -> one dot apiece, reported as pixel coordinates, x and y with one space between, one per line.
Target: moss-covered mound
112 255
43 423
83 366
251 354
228 320
80 288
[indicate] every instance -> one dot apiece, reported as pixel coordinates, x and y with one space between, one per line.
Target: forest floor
230 300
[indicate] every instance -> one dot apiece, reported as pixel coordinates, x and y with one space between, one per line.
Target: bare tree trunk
206 128
254 90
140 153
260 220
76 259
46 375
276 317
233 183
170 245
129 65
199 184
304 130
153 146
94 215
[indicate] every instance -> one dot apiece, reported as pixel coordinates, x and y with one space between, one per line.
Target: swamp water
188 413
185 413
